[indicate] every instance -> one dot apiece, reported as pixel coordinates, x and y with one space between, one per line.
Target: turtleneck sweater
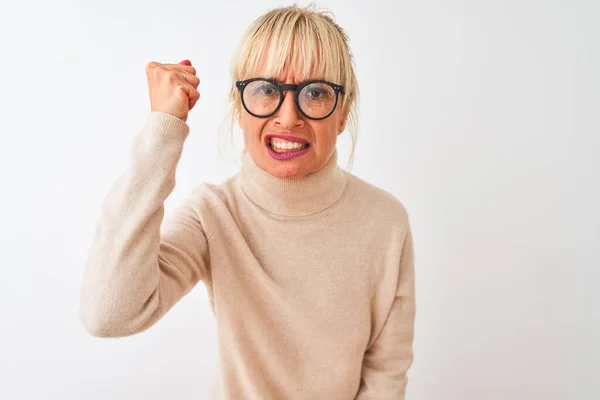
310 280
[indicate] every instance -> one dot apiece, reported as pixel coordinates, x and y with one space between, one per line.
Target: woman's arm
386 362
134 273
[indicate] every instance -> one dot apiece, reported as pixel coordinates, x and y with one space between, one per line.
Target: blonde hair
309 43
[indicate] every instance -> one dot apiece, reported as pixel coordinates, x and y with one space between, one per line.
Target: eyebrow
279 82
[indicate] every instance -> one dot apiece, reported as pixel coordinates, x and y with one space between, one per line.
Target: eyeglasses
262 97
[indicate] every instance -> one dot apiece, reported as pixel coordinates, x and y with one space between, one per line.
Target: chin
287 170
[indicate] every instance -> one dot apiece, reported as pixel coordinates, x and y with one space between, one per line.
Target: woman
309 269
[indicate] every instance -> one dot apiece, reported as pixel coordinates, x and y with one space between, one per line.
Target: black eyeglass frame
241 85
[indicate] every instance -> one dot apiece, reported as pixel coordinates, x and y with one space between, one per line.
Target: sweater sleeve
386 362
135 273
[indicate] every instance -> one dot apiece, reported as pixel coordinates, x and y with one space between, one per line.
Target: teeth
287 145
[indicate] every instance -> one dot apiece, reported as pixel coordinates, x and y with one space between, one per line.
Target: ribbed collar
293 197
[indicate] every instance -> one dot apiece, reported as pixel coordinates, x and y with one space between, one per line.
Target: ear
238 116
343 123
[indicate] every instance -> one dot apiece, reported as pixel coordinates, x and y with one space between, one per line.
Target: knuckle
150 66
170 76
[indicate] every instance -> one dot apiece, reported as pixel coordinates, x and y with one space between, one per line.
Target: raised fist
172 88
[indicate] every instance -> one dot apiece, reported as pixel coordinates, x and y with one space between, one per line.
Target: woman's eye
265 90
315 93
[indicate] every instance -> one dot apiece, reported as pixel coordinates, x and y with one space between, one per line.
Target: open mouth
283 146
286 146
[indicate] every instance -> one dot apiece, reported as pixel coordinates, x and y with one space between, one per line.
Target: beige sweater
311 281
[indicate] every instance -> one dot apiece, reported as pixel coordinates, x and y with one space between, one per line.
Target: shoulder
379 204
204 202
211 193
217 197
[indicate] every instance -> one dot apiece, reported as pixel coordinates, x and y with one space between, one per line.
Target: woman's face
273 153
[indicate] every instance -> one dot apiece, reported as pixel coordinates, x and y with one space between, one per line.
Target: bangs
291 44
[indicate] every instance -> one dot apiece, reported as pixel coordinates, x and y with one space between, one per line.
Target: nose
288 116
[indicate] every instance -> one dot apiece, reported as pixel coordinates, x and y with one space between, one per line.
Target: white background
480 116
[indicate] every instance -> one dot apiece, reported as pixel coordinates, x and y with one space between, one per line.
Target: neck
293 197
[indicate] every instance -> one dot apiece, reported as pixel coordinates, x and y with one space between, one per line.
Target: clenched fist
172 88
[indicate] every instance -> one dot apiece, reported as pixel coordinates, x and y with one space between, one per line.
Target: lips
284 147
